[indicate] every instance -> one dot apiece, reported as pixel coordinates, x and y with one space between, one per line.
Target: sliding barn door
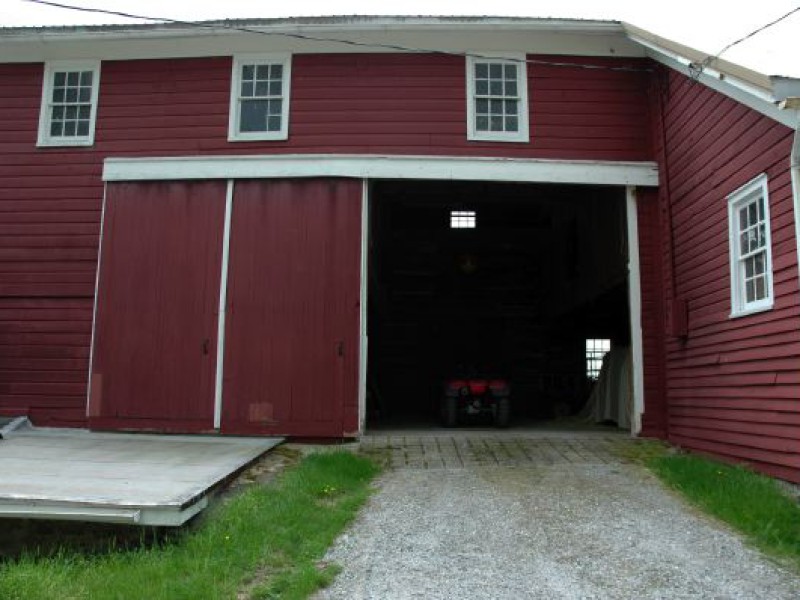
156 324
291 341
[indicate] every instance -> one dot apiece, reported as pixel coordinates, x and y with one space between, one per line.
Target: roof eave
756 90
754 79
318 25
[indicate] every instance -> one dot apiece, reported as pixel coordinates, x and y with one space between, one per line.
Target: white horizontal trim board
642 173
484 35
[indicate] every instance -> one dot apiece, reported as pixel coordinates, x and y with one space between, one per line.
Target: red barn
298 226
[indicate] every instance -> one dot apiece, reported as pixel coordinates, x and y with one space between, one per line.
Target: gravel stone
580 529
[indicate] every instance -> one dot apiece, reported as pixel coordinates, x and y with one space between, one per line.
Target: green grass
751 503
266 542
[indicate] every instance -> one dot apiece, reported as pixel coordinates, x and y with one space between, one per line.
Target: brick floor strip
464 449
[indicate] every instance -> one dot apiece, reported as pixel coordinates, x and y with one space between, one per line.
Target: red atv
474 397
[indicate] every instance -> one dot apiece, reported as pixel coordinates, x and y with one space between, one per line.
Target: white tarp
612 397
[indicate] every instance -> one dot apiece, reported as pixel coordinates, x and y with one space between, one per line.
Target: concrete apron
141 479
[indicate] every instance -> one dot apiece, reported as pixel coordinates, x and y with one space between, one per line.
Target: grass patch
266 542
640 451
751 503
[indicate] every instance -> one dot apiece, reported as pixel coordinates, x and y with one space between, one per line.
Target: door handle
206 345
340 348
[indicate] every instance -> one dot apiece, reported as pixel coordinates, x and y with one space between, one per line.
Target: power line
313 38
697 70
759 30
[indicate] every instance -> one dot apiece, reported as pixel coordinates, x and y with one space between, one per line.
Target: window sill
272 137
521 139
64 143
751 311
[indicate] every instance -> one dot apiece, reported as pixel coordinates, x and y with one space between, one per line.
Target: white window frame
45 113
754 189
285 59
518 59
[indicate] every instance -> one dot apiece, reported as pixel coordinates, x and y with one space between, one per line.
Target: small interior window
596 349
462 219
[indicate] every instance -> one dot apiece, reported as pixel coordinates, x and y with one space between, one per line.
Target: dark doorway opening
503 280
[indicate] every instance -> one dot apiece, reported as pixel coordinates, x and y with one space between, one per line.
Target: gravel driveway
560 517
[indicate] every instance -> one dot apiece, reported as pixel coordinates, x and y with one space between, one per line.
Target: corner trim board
641 173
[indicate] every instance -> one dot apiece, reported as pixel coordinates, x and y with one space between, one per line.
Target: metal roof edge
318 24
759 91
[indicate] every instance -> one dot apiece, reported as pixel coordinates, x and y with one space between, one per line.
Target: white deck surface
136 478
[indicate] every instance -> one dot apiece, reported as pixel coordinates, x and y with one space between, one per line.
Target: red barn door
291 341
155 334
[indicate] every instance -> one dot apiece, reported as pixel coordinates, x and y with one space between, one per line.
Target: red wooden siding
651 277
50 198
49 224
733 385
372 103
155 353
291 344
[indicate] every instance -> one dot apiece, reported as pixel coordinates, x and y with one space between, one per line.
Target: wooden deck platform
139 479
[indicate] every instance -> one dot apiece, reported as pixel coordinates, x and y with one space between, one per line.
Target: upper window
750 248
69 103
497 99
260 98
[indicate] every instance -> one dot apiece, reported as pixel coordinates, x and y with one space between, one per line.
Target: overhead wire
217 25
696 69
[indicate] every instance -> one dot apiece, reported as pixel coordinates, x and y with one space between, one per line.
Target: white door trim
523 170
362 333
635 309
223 301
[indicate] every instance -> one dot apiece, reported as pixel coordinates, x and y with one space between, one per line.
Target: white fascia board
205 43
341 26
644 173
749 95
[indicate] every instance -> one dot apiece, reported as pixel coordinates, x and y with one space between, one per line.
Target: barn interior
494 280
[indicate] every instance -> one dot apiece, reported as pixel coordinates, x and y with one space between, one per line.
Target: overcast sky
707 25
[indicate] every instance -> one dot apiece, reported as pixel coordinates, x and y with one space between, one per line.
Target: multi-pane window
462 219
260 98
496 97
69 104
497 103
596 349
751 261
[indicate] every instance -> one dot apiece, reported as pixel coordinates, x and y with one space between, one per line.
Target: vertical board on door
292 324
154 345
